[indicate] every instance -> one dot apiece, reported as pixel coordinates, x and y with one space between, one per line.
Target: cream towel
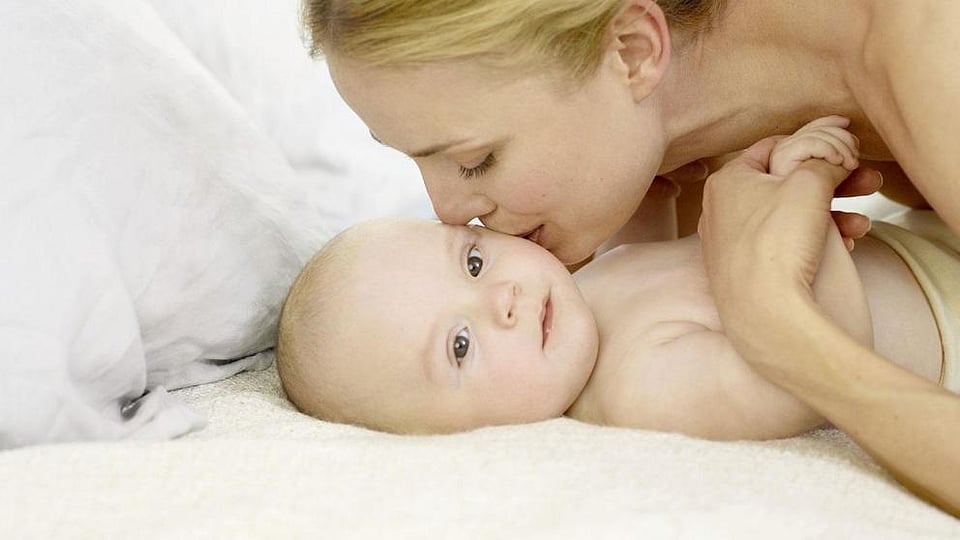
262 470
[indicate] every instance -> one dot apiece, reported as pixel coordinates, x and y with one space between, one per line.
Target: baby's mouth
546 320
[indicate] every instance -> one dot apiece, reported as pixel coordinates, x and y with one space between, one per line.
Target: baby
418 327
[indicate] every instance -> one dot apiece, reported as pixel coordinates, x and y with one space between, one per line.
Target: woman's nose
454 204
460 210
505 294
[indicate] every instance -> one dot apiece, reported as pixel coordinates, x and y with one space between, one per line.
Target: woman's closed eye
461 345
479 170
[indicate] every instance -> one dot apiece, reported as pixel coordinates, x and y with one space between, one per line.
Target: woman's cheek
532 194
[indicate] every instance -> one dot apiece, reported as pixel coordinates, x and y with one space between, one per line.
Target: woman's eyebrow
429 151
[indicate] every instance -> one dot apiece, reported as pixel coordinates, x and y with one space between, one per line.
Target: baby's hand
825 138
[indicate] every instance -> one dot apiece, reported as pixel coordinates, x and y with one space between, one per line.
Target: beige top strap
932 252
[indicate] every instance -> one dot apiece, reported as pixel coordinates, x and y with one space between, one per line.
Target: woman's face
565 168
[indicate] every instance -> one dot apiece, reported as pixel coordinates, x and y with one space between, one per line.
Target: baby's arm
693 381
697 384
837 287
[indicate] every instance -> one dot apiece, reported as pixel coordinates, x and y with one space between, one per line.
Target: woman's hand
763 238
763 235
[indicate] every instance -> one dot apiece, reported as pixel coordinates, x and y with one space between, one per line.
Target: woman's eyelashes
479 170
461 345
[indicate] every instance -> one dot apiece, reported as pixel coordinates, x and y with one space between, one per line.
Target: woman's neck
765 68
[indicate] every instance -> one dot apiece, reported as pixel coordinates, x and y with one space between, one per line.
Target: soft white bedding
262 470
259 469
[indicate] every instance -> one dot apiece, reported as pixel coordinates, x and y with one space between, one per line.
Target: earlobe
640 44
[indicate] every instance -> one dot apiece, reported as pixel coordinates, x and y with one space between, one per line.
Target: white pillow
148 230
254 48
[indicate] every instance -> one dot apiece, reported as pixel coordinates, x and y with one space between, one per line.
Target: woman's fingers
851 225
862 181
757 157
816 180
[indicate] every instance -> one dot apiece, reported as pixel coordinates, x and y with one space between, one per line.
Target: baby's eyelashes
474 261
461 345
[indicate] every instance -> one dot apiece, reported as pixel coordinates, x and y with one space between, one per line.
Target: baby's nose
505 302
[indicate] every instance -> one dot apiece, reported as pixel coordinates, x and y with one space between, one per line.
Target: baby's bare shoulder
664 385
695 384
647 293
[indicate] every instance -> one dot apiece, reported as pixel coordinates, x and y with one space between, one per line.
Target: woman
550 119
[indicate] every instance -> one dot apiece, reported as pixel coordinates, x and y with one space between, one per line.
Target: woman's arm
908 424
763 240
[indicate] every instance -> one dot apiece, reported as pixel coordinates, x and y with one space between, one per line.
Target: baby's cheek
514 366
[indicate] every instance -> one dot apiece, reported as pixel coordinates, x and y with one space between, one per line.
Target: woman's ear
639 45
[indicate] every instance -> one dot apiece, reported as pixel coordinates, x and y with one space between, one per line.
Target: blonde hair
570 34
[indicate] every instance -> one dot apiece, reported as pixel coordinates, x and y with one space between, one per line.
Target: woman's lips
546 321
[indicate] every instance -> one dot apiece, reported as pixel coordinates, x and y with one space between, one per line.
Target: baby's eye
474 261
461 345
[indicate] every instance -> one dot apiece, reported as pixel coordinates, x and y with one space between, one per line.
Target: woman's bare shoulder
911 93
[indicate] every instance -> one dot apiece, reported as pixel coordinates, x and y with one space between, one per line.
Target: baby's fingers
796 150
843 146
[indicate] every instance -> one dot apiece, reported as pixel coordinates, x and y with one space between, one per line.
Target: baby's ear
640 45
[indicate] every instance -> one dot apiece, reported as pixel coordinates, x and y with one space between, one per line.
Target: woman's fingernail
849 243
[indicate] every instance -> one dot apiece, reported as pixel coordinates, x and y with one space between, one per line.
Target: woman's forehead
411 107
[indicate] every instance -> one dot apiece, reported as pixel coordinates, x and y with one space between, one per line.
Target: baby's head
419 327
